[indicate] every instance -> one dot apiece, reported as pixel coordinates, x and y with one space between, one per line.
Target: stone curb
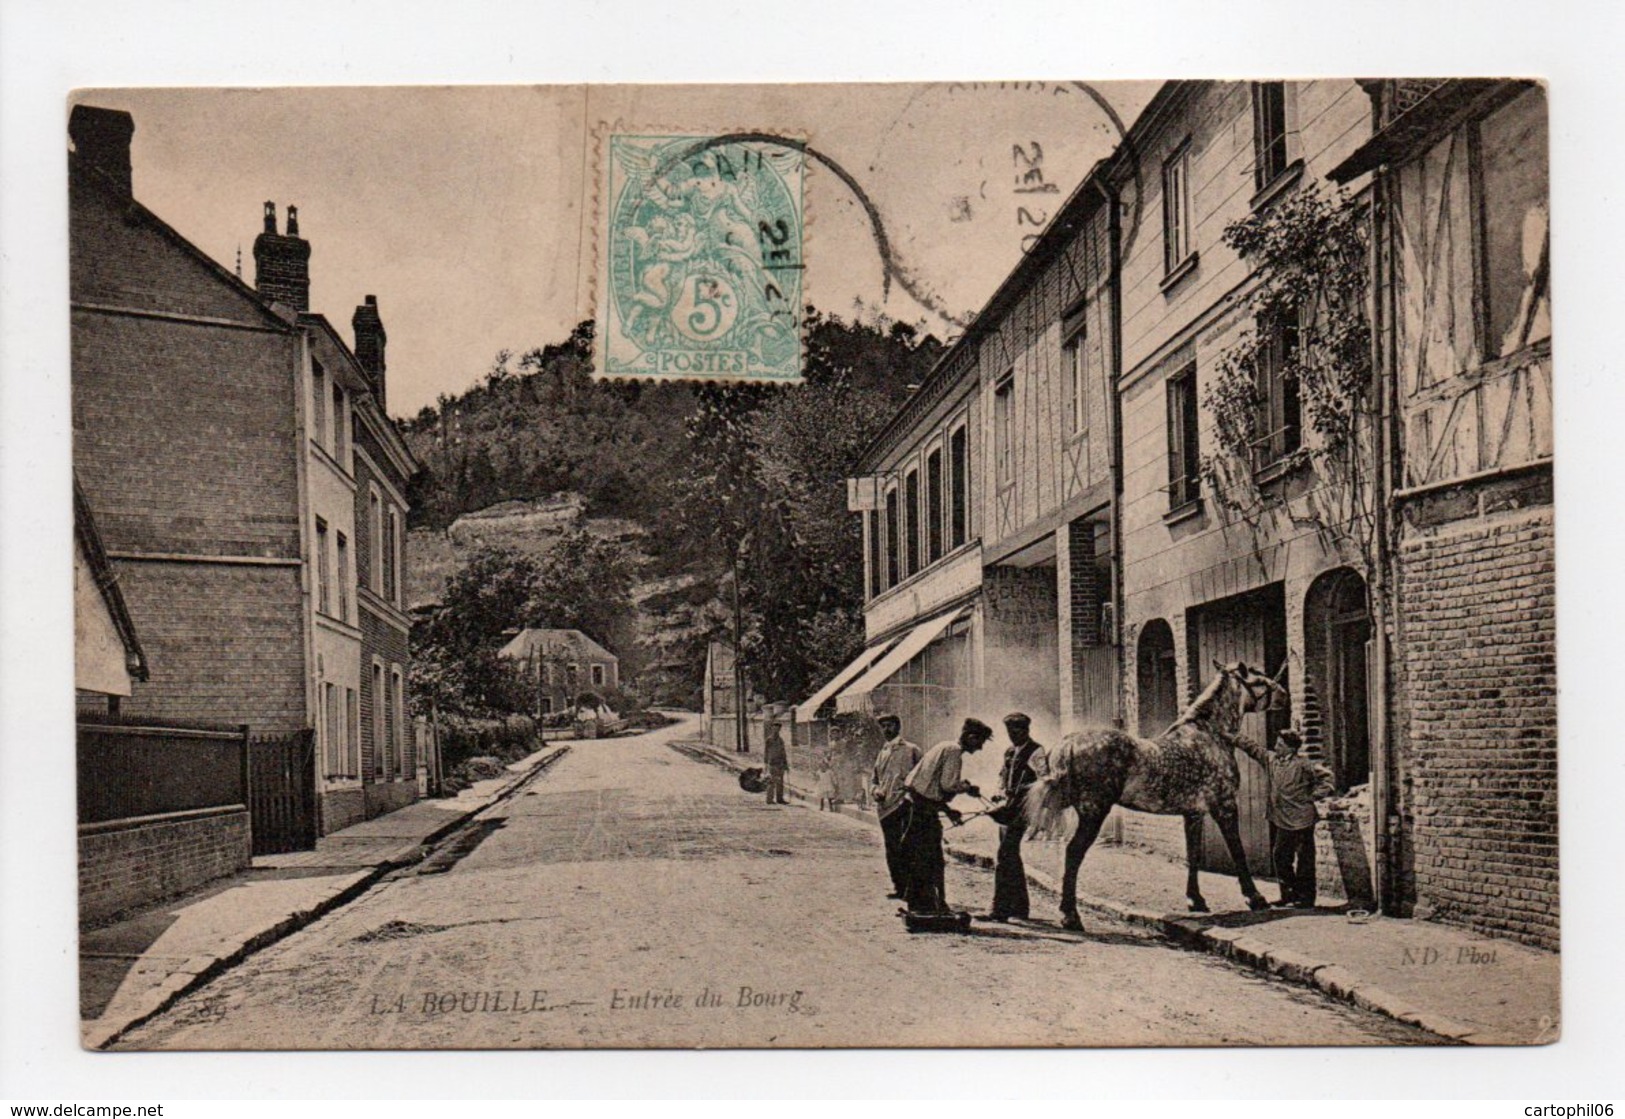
1233 944
201 970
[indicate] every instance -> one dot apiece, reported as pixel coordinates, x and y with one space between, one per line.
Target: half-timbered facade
1464 349
987 503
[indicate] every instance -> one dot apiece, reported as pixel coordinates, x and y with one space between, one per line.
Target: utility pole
741 741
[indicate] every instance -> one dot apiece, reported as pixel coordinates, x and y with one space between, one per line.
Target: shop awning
806 712
887 666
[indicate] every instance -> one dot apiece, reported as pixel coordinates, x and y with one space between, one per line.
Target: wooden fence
136 769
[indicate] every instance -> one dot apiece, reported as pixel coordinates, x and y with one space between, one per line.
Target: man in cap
897 758
776 758
1295 784
1024 763
930 785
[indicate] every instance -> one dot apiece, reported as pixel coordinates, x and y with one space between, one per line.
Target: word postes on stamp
701 258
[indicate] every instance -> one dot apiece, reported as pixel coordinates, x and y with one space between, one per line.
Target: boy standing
1295 784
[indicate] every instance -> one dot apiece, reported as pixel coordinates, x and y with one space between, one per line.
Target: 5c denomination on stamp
700 258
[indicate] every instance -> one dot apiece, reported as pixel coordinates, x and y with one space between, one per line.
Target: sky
471 211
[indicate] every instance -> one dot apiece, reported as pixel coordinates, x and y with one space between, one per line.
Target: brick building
1464 329
217 431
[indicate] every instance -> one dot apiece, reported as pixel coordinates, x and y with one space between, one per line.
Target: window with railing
1278 426
1184 448
1270 135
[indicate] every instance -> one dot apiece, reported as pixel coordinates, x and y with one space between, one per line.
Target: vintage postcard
974 564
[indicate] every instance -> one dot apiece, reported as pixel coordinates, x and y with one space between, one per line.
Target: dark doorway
1337 633
1158 686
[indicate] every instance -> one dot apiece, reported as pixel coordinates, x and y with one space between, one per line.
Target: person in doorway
897 758
1024 763
928 789
776 759
1295 784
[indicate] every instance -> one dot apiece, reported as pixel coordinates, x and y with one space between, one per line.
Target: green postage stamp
700 262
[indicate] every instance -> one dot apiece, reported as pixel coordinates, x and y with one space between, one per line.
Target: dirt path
633 897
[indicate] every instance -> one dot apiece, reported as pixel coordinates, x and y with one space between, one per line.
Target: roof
552 642
84 527
1424 121
1096 189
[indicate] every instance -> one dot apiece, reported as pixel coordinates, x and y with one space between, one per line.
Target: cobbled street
631 896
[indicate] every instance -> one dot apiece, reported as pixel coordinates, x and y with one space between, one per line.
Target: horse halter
1260 689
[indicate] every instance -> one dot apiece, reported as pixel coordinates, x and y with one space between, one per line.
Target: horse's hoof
1258 901
1199 905
1072 922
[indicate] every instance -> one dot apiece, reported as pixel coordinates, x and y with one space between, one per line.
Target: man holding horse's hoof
1024 763
930 785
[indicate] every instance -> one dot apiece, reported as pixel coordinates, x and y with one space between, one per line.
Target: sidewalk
1457 984
138 965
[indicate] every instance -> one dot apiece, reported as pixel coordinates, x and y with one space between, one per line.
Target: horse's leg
1193 861
1225 817
1089 821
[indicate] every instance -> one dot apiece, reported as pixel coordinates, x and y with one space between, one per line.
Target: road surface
632 896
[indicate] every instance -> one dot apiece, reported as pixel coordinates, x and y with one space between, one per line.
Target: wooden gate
282 792
1252 628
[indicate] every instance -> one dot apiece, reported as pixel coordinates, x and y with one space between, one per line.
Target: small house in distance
561 664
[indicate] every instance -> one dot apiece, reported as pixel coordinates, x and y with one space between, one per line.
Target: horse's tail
1046 799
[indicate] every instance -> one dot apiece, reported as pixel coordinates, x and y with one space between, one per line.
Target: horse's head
1245 690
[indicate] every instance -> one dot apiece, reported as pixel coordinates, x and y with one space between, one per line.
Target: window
1176 210
959 469
391 547
334 752
340 442
318 407
352 737
378 718
875 574
598 675
933 506
1077 388
1184 482
1513 245
892 574
571 673
323 575
1276 381
375 533
1004 401
397 720
911 502
344 577
1269 132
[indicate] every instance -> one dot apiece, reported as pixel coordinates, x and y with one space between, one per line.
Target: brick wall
1478 764
340 808
224 643
129 863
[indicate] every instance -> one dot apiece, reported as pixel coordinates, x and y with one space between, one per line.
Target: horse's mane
1202 706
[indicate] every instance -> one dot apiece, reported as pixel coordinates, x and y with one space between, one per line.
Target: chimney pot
282 262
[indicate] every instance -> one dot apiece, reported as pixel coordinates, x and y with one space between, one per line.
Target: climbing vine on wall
1308 252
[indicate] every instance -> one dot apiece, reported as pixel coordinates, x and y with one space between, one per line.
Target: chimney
282 262
101 140
369 344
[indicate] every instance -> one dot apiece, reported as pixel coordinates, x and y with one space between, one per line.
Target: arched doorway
1337 638
1158 688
